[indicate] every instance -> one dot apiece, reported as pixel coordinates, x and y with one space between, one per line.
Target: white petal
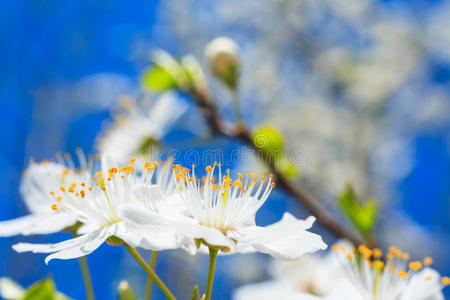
9 289
73 248
84 246
270 290
180 225
345 290
36 224
286 239
420 288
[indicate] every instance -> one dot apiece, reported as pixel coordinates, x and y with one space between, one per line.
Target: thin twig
206 103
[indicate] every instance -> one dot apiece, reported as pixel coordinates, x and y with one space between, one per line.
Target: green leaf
126 292
41 290
362 216
195 294
271 141
158 79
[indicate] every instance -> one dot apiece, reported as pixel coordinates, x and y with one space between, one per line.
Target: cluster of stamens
380 275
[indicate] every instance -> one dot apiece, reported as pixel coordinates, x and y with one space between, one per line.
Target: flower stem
212 268
150 272
148 291
86 278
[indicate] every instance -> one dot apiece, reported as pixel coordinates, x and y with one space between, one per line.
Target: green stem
212 268
150 272
236 106
148 291
86 278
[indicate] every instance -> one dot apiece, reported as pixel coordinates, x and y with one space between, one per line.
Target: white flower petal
36 224
270 290
286 239
421 288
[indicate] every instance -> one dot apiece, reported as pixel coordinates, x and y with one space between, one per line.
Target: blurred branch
205 101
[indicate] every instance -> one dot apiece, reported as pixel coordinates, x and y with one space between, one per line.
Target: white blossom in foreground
98 205
222 214
37 182
311 274
389 278
138 129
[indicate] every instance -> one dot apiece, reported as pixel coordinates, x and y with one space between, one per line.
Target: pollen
335 248
415 265
63 189
59 198
377 253
209 169
52 193
428 278
272 184
132 160
54 207
378 264
402 274
445 280
427 261
99 174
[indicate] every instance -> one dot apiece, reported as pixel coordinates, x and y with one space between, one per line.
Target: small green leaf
42 290
271 141
195 294
362 216
126 292
157 79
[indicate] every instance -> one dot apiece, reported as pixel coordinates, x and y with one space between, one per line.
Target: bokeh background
360 88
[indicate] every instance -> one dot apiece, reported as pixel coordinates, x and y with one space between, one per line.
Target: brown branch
206 103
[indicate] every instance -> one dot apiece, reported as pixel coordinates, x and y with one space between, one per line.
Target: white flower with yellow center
98 207
222 214
37 181
393 277
138 129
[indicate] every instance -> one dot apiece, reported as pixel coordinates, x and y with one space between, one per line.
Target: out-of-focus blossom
98 207
311 274
138 130
222 56
222 214
38 182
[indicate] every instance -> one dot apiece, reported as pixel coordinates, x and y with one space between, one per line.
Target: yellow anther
254 175
335 248
390 256
349 256
240 176
90 189
405 256
402 274
83 184
99 174
62 189
209 169
377 253
181 176
132 160
415 265
228 170
270 175
263 179
54 207
445 280
272 184
378 264
101 182
193 166
59 198
427 261
71 189
52 193
146 164
237 183
428 278
82 192
64 172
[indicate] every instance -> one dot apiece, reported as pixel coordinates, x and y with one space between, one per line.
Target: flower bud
223 61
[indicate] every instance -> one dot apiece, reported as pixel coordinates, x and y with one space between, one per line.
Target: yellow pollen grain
405 256
99 174
428 278
349 256
445 280
59 198
237 183
83 184
389 256
377 253
132 160
427 261
82 193
209 169
335 248
402 274
52 193
415 265
272 184
147 164
378 264
62 189
54 207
